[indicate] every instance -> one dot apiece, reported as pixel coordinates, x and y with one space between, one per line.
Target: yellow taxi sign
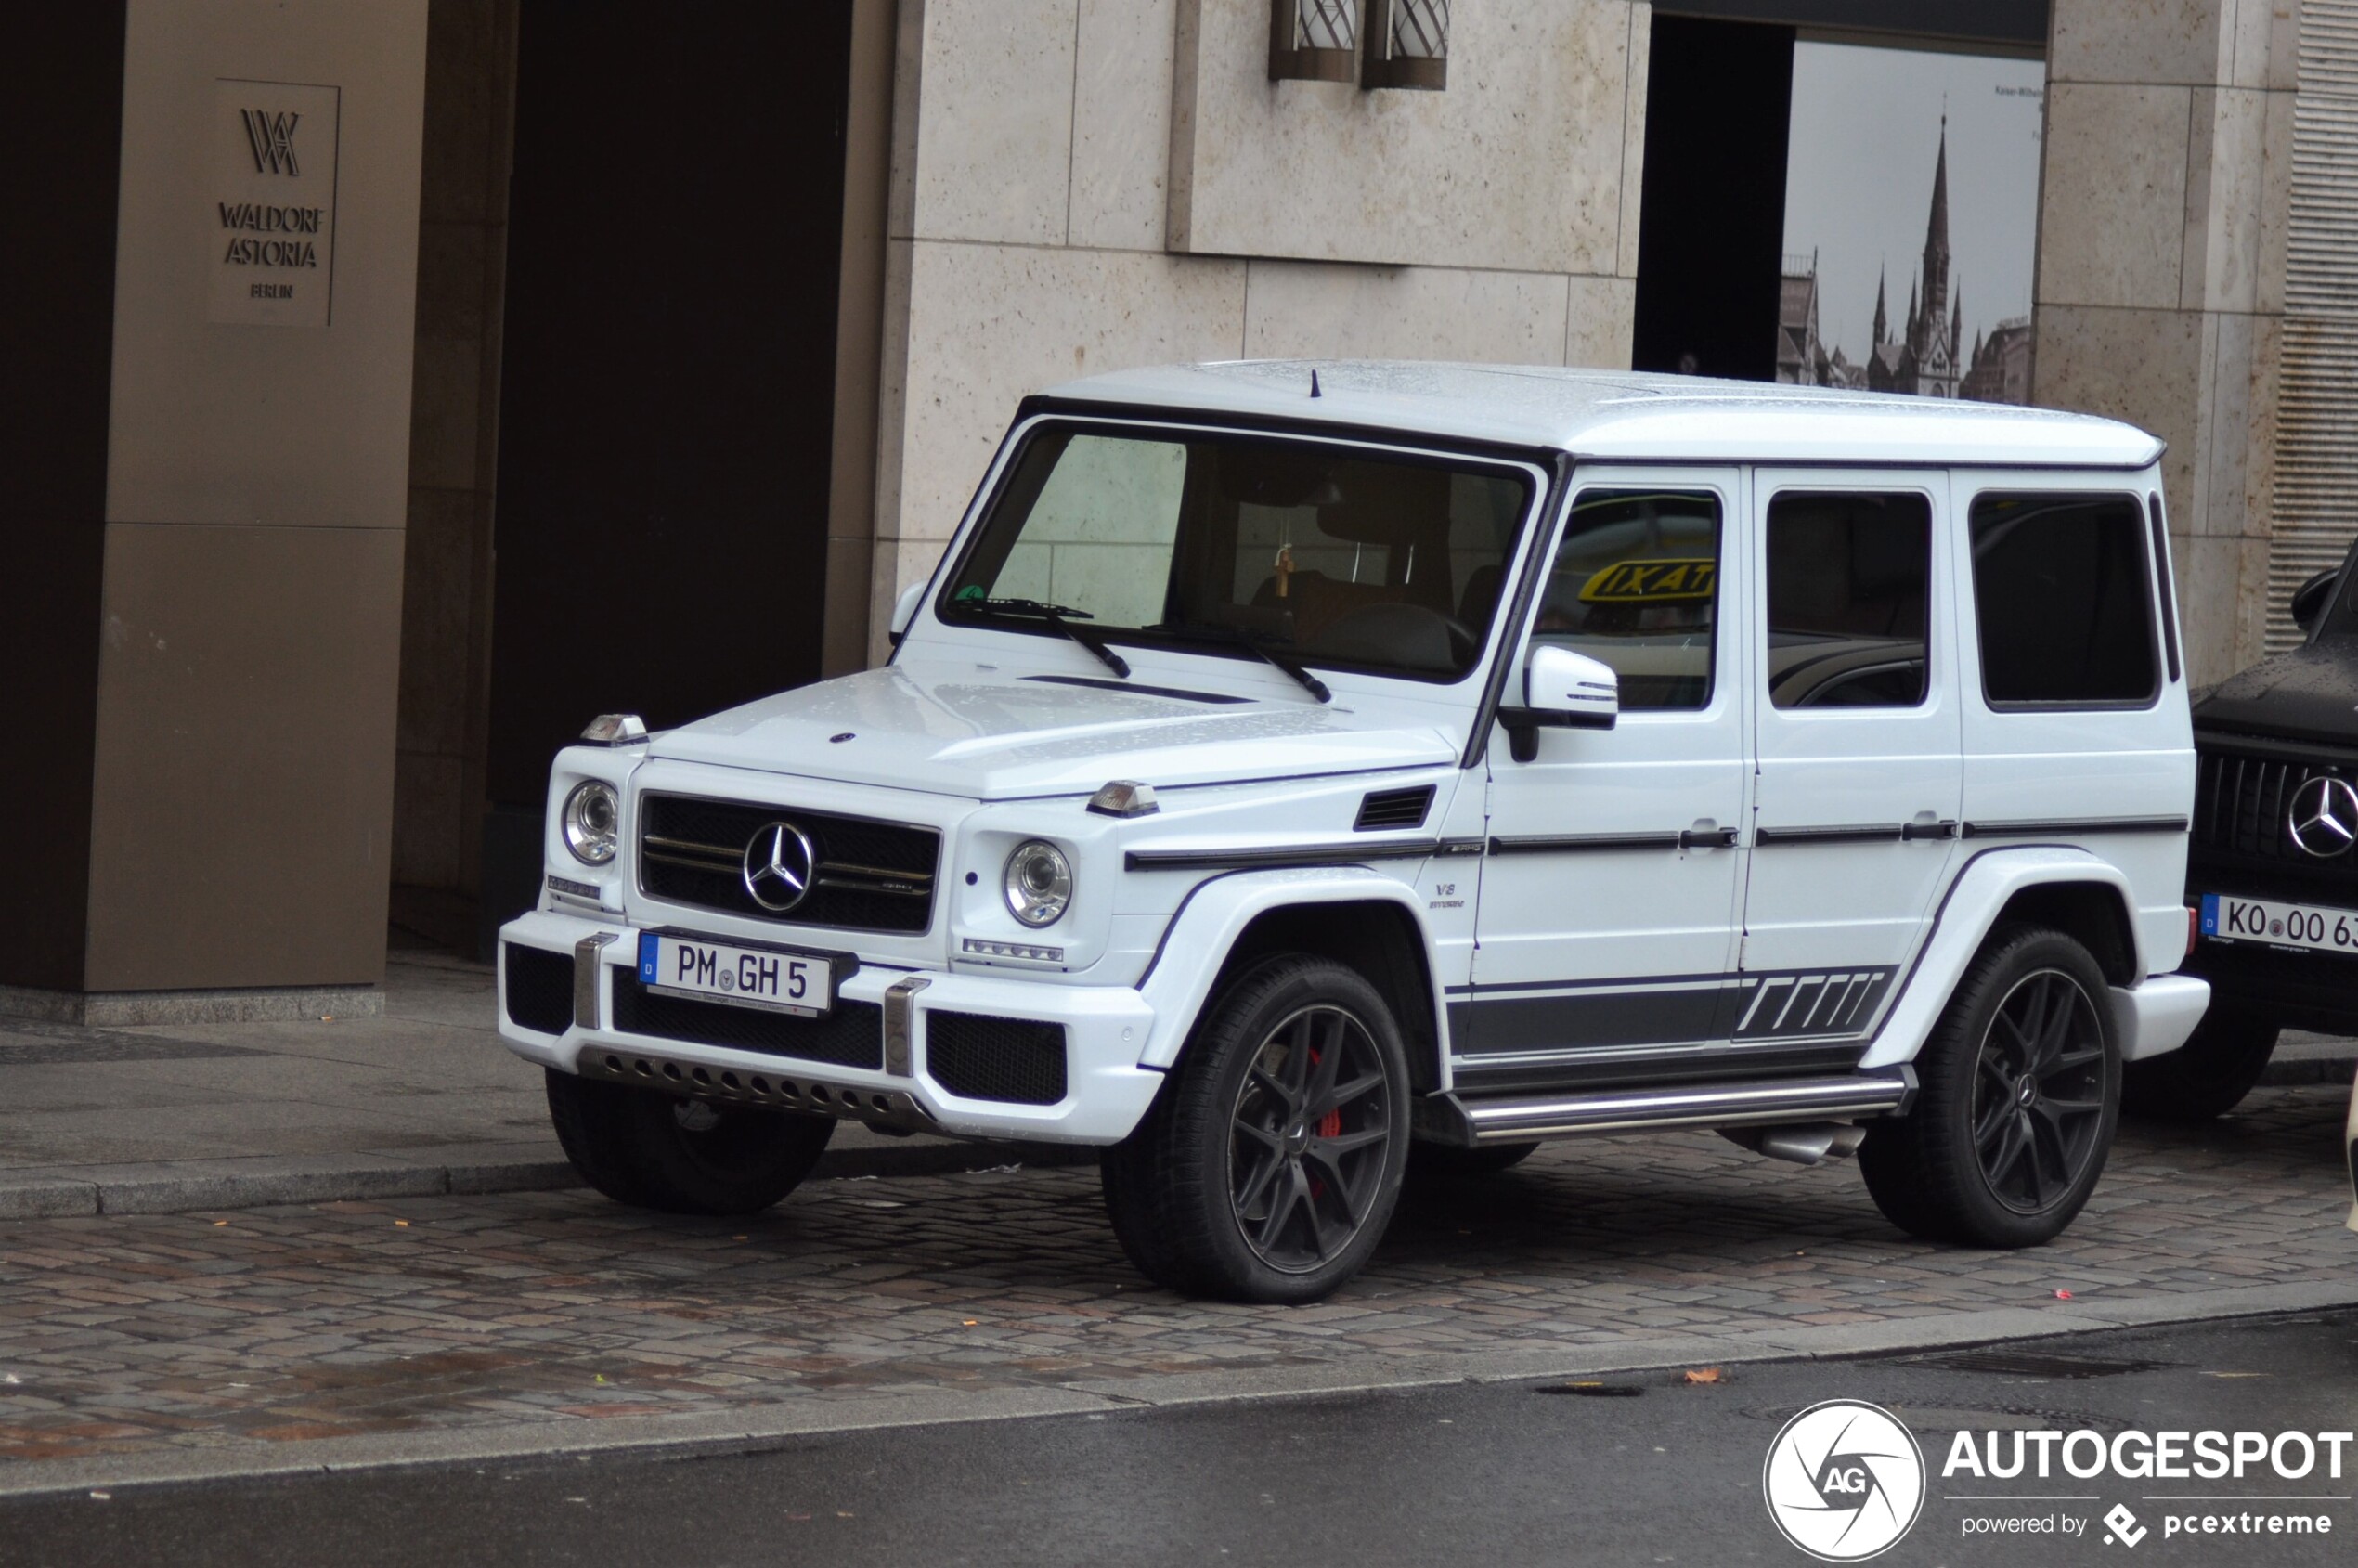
1652 582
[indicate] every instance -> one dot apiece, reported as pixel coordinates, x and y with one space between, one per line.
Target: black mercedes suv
2274 866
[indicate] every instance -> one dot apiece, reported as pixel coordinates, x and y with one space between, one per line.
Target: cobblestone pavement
139 1334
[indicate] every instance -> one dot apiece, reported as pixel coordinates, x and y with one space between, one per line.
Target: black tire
2207 1076
1261 1174
653 1150
2019 1092
1447 1162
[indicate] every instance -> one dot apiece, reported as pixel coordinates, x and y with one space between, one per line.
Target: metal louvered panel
2316 504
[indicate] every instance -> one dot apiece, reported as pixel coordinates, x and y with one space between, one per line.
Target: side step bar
1455 1119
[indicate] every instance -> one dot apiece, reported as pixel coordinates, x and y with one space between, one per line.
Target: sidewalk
421 1100
167 1117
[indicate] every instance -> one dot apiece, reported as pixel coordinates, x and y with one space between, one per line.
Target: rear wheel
2019 1091
2207 1076
1271 1162
654 1151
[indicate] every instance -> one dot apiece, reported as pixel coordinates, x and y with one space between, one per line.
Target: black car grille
2242 800
977 1056
540 989
866 875
852 1035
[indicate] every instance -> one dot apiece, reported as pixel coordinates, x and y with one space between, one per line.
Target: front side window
2064 599
1323 553
1850 590
1636 584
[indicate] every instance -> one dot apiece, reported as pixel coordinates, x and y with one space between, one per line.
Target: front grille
2241 802
867 875
977 1056
852 1035
540 989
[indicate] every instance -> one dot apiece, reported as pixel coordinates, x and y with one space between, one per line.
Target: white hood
986 736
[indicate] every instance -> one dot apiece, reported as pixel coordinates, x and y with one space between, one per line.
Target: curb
181 1185
731 1430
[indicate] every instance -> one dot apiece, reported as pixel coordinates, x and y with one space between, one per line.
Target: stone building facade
331 591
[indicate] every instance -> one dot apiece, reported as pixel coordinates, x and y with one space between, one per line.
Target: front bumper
1104 1029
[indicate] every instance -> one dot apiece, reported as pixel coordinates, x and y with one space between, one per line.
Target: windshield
1320 553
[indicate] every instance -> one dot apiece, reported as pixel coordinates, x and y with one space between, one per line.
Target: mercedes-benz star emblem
2323 818
778 865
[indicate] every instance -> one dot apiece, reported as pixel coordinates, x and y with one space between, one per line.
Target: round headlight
593 820
1038 882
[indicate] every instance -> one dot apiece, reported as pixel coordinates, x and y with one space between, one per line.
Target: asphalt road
1503 1473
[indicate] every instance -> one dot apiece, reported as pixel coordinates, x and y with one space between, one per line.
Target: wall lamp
1407 42
1313 40
1408 45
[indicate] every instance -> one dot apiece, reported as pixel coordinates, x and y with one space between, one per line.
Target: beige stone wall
2162 266
256 489
1085 185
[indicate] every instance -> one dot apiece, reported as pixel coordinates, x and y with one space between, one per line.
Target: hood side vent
1386 809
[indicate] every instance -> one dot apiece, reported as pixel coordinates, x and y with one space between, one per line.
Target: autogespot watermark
1845 1481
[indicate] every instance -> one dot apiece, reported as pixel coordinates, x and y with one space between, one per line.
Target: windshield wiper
1060 616
1238 637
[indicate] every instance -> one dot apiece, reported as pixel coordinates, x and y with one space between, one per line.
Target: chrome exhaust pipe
1812 1143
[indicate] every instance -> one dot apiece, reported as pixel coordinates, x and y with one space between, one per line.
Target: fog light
1038 883
592 818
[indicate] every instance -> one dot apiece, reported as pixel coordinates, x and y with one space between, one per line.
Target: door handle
1911 831
1707 838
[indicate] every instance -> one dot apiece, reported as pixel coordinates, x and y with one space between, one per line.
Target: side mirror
1561 690
2309 600
1585 691
904 610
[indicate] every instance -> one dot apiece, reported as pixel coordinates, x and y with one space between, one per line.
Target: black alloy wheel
1310 1139
2018 1090
2038 1099
1270 1163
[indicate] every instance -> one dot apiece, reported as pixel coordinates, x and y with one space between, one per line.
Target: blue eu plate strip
647 946
2211 914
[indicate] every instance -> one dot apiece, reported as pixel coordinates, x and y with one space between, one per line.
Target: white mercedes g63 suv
1290 763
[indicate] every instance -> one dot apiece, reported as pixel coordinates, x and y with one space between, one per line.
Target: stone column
2162 261
208 768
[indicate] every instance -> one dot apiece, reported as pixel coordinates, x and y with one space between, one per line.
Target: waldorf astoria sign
270 219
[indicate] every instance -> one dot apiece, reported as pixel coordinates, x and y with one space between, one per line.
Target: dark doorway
1710 233
667 377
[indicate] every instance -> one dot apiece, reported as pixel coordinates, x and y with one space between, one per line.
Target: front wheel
2019 1091
654 1151
2207 1076
1271 1162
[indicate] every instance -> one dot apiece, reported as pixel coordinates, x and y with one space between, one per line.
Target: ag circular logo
1845 1480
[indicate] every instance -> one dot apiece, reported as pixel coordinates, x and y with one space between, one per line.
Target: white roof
1610 414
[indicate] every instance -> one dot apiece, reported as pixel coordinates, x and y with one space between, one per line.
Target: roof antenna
1313 384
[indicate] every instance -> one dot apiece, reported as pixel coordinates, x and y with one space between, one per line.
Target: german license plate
768 979
2229 919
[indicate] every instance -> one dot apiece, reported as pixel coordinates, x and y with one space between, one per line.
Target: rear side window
2064 596
1849 585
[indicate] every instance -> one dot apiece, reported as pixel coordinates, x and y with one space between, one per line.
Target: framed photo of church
1912 221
